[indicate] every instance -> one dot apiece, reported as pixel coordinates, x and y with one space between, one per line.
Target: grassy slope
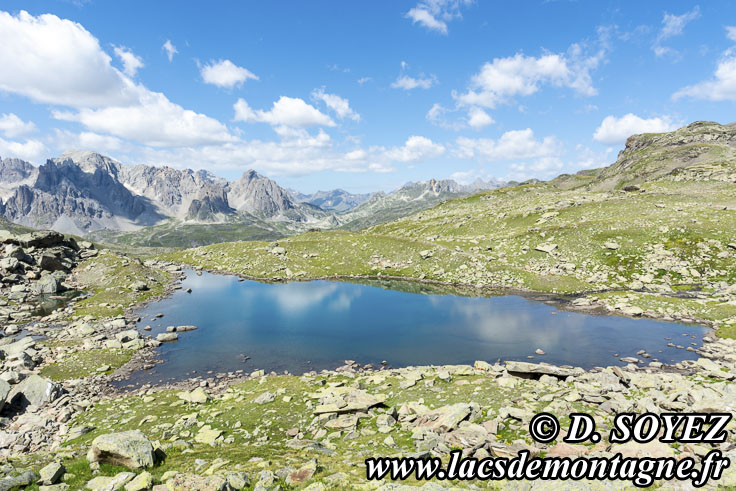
489 240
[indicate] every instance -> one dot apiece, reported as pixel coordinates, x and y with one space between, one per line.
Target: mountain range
84 192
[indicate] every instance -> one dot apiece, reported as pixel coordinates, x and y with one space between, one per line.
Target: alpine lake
297 327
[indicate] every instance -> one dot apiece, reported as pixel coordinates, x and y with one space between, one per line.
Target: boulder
41 238
105 483
128 335
51 474
264 398
48 285
35 390
445 418
192 482
167 337
4 391
533 369
548 248
208 435
141 482
197 396
49 262
304 473
129 448
139 286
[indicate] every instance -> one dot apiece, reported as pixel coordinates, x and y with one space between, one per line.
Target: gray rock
167 337
525 368
35 390
130 449
51 474
48 284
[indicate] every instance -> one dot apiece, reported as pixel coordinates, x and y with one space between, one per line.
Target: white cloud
416 148
469 176
293 156
12 126
226 74
615 130
170 50
437 115
131 62
434 14
338 104
731 32
478 118
408 83
673 25
516 144
88 140
287 111
422 16
57 61
364 80
552 166
520 75
31 150
721 87
153 121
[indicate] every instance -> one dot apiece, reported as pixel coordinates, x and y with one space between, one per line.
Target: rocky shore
65 425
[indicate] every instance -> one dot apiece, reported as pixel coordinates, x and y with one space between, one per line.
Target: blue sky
360 95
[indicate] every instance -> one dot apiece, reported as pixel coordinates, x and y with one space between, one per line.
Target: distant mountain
84 191
337 200
410 198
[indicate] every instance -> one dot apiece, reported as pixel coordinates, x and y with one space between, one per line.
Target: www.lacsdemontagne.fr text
641 472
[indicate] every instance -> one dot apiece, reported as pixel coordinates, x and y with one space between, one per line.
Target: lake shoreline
150 355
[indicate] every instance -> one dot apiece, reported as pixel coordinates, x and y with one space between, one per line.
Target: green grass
260 430
108 279
84 363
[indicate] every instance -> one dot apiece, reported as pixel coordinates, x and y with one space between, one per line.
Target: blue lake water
314 325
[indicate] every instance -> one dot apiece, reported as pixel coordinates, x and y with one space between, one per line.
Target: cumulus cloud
57 61
30 150
731 32
287 111
515 144
225 74
169 49
12 126
615 130
131 62
478 118
721 87
340 105
106 99
434 14
673 25
153 121
520 75
88 139
416 149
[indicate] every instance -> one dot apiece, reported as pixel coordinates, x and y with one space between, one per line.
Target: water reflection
300 326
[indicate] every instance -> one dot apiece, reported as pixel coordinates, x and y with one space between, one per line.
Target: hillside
666 248
410 198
